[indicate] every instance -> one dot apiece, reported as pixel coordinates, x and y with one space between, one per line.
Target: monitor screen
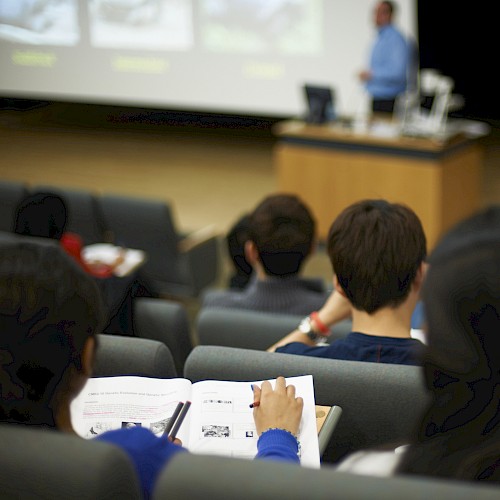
320 104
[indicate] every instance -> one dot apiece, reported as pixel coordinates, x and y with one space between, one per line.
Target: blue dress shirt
388 64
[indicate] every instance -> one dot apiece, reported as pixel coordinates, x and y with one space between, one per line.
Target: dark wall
461 40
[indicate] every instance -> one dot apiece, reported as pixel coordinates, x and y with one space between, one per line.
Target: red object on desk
73 245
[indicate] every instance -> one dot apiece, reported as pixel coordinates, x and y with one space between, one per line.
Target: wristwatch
306 326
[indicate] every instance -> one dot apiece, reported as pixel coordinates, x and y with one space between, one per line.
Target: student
377 251
45 215
50 312
280 237
459 434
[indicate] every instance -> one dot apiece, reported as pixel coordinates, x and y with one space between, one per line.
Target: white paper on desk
106 253
107 403
221 420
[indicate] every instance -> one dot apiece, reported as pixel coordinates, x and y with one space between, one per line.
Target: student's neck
63 420
386 322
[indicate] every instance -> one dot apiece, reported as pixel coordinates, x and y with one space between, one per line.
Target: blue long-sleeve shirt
150 454
388 64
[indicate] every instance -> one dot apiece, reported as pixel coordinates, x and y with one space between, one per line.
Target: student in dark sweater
279 236
377 250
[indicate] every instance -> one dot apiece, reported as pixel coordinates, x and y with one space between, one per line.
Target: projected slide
260 26
142 24
232 56
50 22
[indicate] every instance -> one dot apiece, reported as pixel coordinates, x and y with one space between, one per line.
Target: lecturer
387 73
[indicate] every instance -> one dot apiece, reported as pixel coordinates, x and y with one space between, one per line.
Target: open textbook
219 421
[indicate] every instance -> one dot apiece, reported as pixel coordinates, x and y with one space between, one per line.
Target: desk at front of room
331 166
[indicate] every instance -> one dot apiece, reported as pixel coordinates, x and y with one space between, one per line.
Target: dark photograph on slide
40 22
141 24
261 26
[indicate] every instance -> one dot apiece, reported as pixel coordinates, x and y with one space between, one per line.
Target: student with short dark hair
280 236
458 436
50 313
377 250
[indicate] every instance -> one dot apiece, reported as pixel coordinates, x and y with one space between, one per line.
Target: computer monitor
320 103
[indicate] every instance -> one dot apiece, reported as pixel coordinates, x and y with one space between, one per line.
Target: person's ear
88 357
251 252
337 287
420 275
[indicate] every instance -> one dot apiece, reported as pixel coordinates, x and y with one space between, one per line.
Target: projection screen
231 56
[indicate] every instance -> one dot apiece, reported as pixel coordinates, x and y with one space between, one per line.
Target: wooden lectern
331 166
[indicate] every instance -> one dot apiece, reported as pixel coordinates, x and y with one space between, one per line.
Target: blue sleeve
148 452
278 444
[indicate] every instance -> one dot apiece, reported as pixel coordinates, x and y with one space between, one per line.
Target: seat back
11 194
167 322
381 403
44 464
119 355
83 216
249 329
147 225
198 476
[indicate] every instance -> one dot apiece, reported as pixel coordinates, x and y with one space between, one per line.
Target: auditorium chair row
380 404
177 264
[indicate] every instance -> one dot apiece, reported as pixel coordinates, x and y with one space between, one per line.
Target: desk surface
321 414
378 133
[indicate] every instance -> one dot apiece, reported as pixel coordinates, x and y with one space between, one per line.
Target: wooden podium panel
331 168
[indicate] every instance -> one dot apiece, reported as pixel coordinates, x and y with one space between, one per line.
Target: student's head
461 297
459 433
49 307
376 249
41 214
281 234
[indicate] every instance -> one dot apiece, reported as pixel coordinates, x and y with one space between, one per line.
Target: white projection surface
230 56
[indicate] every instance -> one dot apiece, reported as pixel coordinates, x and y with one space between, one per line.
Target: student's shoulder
130 435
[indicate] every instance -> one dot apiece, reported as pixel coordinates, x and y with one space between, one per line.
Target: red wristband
320 325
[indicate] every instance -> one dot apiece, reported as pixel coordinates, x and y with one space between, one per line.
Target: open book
219 421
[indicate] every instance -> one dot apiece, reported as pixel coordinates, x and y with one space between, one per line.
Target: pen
255 404
173 418
179 421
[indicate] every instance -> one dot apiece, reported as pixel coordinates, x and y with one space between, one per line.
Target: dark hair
459 434
376 248
41 214
236 238
283 230
49 307
391 6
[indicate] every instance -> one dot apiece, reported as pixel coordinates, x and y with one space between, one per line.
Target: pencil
172 419
255 404
179 421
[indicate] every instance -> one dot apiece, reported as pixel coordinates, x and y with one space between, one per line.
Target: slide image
40 22
141 24
261 26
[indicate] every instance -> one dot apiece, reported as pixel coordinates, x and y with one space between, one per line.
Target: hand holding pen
278 408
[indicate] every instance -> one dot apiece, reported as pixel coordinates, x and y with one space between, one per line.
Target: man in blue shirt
386 77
